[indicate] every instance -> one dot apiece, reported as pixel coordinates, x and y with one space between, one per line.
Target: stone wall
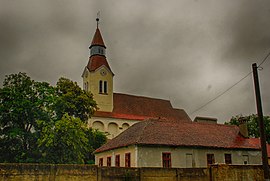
47 172
236 172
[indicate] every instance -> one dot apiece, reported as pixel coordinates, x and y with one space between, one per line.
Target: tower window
100 51
100 86
86 86
105 87
97 50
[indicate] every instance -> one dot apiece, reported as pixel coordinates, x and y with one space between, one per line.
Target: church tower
97 75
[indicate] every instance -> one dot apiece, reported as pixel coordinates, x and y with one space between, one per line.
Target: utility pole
261 123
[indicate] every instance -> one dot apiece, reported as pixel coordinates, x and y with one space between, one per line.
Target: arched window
98 125
100 86
125 126
113 129
105 87
86 88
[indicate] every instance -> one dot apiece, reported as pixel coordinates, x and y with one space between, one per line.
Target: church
163 136
118 111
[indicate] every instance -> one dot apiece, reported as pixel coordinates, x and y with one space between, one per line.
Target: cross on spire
97 19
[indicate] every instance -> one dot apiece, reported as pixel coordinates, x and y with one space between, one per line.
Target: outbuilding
178 144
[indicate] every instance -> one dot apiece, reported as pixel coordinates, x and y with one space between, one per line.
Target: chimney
200 119
243 129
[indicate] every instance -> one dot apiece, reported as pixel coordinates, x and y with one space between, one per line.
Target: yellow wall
104 101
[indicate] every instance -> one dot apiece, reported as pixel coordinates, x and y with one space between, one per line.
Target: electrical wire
264 59
221 94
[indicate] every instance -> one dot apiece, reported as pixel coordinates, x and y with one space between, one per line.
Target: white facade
181 157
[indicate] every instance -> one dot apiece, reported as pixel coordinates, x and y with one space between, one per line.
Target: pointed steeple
97 39
97 46
97 75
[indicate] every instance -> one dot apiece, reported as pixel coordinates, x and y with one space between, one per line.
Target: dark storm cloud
248 32
185 51
38 38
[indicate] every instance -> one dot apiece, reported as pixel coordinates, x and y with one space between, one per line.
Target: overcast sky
186 51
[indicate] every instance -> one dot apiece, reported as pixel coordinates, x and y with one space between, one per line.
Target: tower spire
97 19
97 75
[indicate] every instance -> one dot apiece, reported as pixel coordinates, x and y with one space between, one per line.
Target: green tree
63 141
22 102
96 139
68 140
253 126
33 114
73 100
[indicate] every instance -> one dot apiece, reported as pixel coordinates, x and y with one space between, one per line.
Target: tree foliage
64 141
22 102
32 114
253 126
95 139
73 100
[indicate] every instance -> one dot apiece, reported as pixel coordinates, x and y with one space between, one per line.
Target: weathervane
97 19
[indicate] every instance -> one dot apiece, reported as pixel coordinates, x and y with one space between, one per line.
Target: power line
264 59
221 94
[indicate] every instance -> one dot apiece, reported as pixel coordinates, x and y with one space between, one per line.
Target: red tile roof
184 134
140 108
97 61
97 39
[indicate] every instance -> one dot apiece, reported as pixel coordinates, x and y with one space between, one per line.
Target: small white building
178 144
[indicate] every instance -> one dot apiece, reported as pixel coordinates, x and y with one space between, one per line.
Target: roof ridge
142 96
211 124
217 124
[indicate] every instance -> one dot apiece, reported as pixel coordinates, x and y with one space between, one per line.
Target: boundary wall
51 172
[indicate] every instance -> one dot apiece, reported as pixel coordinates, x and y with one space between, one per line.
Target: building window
100 51
109 161
117 160
86 86
210 159
189 160
100 86
127 160
245 159
105 87
228 158
100 163
166 160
